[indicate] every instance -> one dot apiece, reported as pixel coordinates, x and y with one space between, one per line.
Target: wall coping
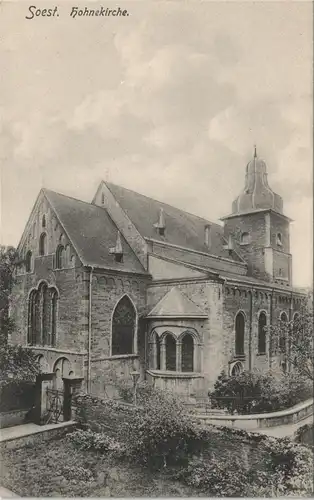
168 374
260 416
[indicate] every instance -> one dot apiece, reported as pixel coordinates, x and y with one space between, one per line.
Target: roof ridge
45 190
108 184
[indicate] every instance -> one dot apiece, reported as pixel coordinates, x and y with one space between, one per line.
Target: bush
161 432
255 392
290 466
95 441
217 477
16 395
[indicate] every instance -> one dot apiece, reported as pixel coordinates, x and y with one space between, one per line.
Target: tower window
279 239
245 239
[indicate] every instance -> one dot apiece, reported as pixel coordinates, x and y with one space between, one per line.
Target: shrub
255 392
217 477
161 433
76 473
95 441
16 395
290 466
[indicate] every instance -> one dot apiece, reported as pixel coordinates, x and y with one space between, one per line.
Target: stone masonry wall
107 290
255 225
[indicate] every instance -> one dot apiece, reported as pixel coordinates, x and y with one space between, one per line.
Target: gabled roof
175 304
92 233
182 228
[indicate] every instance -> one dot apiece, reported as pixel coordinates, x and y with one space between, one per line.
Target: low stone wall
12 418
262 420
42 435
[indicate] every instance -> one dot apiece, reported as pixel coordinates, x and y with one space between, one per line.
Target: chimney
207 235
161 225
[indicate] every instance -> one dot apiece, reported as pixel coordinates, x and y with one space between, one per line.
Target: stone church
127 283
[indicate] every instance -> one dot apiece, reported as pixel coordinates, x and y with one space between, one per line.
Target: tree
8 260
293 340
17 364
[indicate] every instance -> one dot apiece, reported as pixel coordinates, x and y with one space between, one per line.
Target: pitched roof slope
92 233
176 304
182 228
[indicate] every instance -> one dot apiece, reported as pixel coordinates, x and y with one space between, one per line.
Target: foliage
17 396
305 435
216 477
97 441
256 392
290 466
297 349
161 433
8 259
18 364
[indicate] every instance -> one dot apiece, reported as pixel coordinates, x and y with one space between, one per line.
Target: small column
179 357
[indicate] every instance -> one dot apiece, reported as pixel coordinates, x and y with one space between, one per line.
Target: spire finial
255 153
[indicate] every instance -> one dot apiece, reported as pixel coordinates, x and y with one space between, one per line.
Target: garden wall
262 420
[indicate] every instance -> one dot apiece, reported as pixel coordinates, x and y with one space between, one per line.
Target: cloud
168 103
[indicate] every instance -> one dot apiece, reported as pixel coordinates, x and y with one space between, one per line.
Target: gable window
239 334
28 262
123 327
171 353
43 244
245 239
261 333
279 239
43 221
102 198
42 319
60 257
187 353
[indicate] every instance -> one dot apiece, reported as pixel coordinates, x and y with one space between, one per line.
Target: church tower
258 228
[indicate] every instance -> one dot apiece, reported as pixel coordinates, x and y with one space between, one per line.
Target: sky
167 101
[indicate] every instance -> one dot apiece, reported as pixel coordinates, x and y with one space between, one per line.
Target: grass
57 469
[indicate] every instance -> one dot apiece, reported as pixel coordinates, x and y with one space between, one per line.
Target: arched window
236 369
171 353
279 239
157 339
282 338
42 315
28 262
239 334
102 198
43 221
31 336
187 353
123 327
245 238
43 244
261 333
54 301
45 313
60 257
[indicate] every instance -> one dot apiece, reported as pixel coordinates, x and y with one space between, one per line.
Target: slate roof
92 232
182 228
175 304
